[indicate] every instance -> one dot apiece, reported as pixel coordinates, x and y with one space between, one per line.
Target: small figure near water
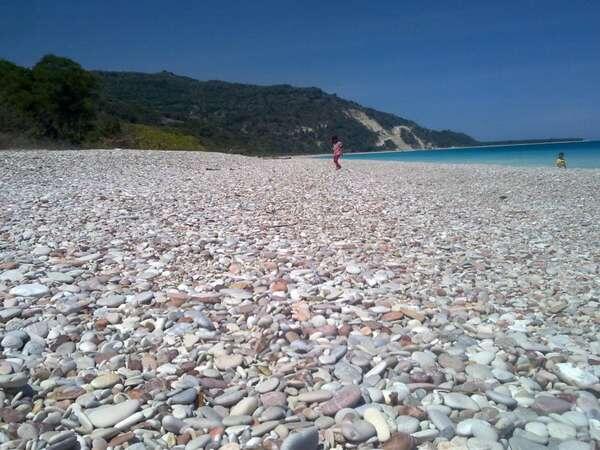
338 149
561 162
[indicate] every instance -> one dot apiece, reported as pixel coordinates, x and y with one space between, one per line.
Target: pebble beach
188 300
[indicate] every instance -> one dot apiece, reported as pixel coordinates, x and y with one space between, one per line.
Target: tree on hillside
15 97
63 99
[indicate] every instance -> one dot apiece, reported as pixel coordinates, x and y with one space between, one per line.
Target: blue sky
494 69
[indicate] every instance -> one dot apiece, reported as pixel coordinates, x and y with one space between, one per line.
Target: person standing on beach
338 149
561 162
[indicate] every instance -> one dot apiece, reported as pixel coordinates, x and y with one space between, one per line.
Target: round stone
108 415
479 372
379 422
264 428
545 404
498 397
172 424
459 401
185 397
537 428
229 398
303 440
105 381
272 413
346 414
324 422
12 341
426 360
315 396
111 301
575 418
268 385
346 397
575 376
29 290
358 430
407 424
451 362
483 357
13 380
27 431
561 431
228 362
232 421
245 406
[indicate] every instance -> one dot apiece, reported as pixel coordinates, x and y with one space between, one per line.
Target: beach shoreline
256 298
474 147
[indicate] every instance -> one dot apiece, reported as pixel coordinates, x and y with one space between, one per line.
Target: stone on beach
185 397
315 396
245 406
442 423
346 397
229 398
227 362
358 430
303 440
546 404
400 441
105 381
459 401
377 419
109 415
576 376
30 290
268 385
11 381
407 424
111 301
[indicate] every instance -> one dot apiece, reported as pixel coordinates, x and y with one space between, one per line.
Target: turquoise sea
585 155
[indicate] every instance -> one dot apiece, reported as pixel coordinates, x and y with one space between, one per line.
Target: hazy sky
496 69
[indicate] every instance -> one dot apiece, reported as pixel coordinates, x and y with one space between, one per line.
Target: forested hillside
58 103
256 119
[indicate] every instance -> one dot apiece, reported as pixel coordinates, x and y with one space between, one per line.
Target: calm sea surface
578 155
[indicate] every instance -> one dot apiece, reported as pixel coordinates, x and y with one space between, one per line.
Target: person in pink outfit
338 149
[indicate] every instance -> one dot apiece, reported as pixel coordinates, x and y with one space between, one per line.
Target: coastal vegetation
255 119
136 135
55 100
57 104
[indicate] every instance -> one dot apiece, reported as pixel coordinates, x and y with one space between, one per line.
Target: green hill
260 119
57 104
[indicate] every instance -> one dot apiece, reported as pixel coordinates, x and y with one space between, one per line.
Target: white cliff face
393 134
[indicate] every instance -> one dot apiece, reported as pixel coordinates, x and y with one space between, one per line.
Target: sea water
584 154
